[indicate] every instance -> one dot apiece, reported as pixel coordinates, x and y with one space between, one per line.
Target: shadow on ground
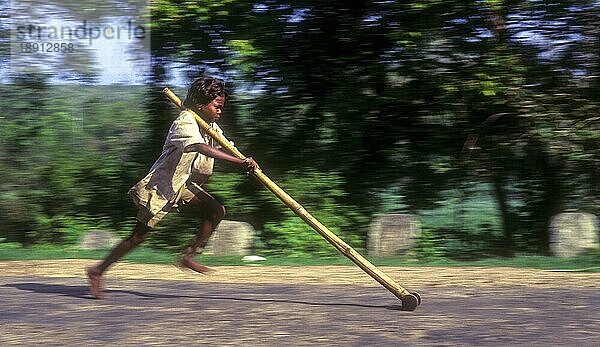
59 311
83 293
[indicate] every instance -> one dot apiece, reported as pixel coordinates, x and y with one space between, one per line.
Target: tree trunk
551 203
498 182
552 196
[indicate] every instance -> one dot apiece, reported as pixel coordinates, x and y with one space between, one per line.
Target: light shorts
183 197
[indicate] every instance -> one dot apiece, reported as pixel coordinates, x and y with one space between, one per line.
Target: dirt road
47 302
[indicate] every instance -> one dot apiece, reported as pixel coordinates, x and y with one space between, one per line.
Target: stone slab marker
96 239
573 233
392 234
231 238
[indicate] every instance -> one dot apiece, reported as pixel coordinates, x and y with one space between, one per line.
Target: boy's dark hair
204 90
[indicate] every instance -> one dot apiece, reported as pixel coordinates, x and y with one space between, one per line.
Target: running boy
175 180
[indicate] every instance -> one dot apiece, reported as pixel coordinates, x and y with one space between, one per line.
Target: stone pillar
392 234
96 239
572 233
231 238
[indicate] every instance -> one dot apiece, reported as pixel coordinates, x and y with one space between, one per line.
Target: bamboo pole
385 280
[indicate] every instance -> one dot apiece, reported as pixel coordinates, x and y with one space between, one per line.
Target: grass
582 263
142 255
586 263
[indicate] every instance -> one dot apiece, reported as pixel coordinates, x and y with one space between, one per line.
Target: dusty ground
47 302
414 277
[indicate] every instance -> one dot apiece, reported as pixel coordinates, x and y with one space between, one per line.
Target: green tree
386 93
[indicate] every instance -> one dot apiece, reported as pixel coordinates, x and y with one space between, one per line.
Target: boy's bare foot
188 262
95 281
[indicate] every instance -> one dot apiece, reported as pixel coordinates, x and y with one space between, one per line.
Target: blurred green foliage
481 117
464 224
66 158
322 195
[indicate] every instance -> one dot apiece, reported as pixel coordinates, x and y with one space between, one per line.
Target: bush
465 225
320 193
9 245
429 246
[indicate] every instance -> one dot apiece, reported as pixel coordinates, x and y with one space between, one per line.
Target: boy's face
211 112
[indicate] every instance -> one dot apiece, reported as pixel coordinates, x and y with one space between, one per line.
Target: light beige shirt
174 167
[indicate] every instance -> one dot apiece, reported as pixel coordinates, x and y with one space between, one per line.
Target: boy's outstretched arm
216 153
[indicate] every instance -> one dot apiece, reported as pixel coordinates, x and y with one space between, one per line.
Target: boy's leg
211 212
94 273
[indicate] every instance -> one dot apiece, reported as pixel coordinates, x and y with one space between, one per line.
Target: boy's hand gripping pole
410 301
